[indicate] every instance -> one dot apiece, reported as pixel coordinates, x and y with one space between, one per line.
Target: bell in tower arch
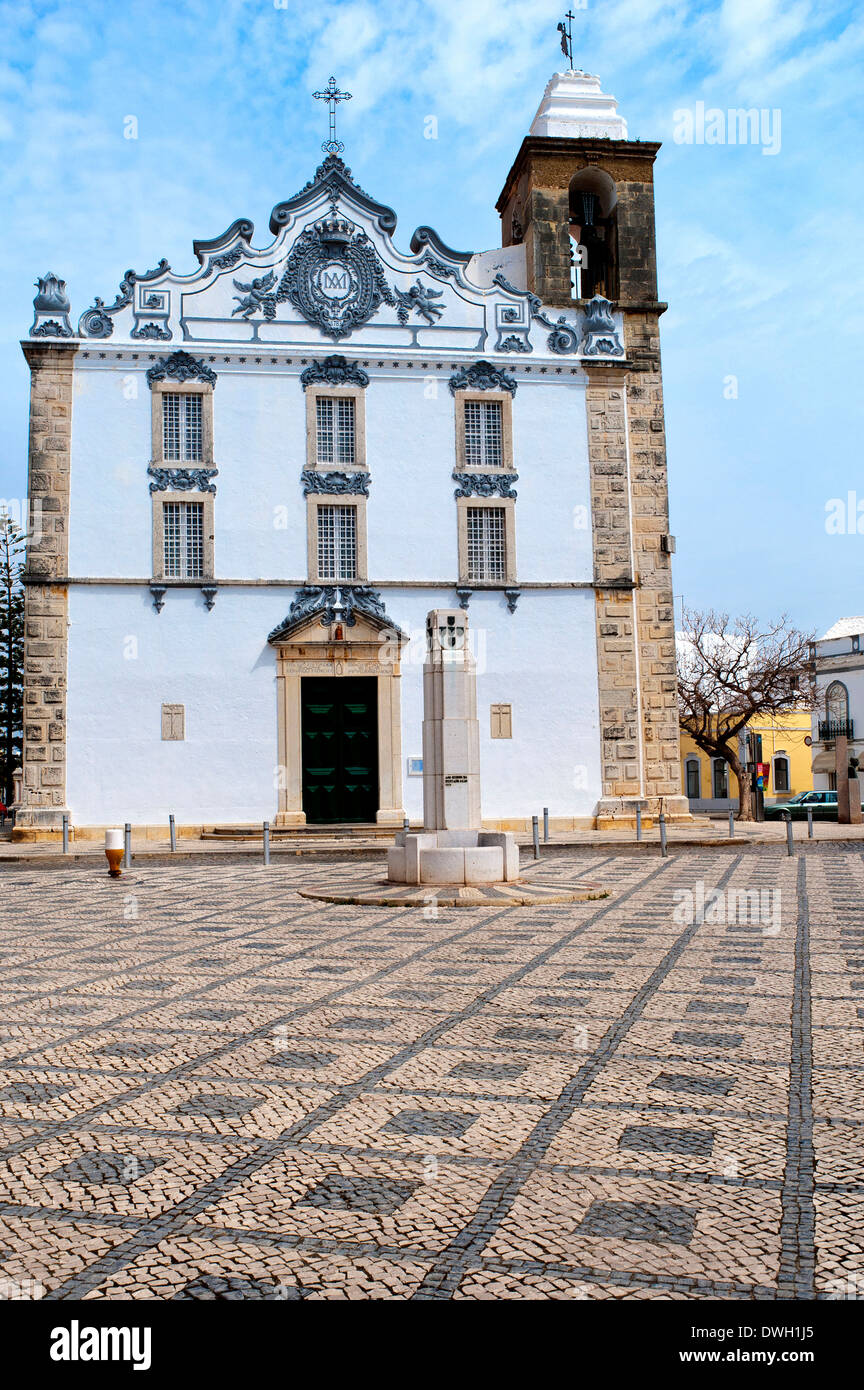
593 227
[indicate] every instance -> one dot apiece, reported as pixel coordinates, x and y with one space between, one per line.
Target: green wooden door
340 748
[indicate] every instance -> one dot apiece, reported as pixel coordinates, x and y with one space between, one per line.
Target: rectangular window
183 540
335 430
337 542
483 434
487 544
182 434
721 781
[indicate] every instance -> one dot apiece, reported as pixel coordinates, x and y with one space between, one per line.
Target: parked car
822 804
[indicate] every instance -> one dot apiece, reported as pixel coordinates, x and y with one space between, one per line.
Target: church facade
251 482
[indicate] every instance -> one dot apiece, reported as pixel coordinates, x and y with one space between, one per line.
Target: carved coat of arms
333 276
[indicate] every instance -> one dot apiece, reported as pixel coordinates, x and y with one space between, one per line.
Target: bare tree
729 672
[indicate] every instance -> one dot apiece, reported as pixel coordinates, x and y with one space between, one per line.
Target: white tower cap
575 106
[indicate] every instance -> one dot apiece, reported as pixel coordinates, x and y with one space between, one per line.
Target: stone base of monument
362 891
453 857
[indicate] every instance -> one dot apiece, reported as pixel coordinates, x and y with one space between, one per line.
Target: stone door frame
363 653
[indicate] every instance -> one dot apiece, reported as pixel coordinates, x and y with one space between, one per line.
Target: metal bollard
663 849
731 825
535 832
406 824
173 831
127 846
790 847
638 822
809 825
65 833
546 824
266 842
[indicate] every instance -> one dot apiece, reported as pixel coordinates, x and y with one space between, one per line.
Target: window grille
487 549
483 434
183 531
337 542
335 431
182 435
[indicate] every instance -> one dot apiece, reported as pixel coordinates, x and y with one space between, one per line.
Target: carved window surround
509 508
358 395
159 500
314 500
506 401
159 390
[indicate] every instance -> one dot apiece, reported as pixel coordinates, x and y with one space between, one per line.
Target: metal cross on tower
566 32
332 96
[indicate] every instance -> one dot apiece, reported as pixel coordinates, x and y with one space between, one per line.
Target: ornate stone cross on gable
332 96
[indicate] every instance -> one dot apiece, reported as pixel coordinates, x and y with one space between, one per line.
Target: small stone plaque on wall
501 721
173 722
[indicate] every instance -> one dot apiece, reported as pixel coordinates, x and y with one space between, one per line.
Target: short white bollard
114 851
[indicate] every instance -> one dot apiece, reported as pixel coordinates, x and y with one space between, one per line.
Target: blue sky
759 254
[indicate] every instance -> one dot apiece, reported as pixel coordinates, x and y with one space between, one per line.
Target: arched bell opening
593 227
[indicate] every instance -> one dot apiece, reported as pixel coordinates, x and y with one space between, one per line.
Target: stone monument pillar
451 733
452 848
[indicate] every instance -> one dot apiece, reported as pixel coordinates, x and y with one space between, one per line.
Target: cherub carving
256 296
419 299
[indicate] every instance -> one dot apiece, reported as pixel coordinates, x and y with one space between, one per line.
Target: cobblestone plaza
213 1087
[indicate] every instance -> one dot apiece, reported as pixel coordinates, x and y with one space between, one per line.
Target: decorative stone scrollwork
438 268
51 308
485 484
464 597
564 336
334 371
131 279
599 334
209 591
336 604
182 479
355 483
481 376
534 303
181 366
225 261
158 596
513 343
51 328
158 332
512 596
95 322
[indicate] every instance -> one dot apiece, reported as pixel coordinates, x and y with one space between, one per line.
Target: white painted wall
260 450
125 661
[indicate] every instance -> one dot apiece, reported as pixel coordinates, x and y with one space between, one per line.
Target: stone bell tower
580 197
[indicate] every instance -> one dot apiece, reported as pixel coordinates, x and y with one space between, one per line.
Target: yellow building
709 785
